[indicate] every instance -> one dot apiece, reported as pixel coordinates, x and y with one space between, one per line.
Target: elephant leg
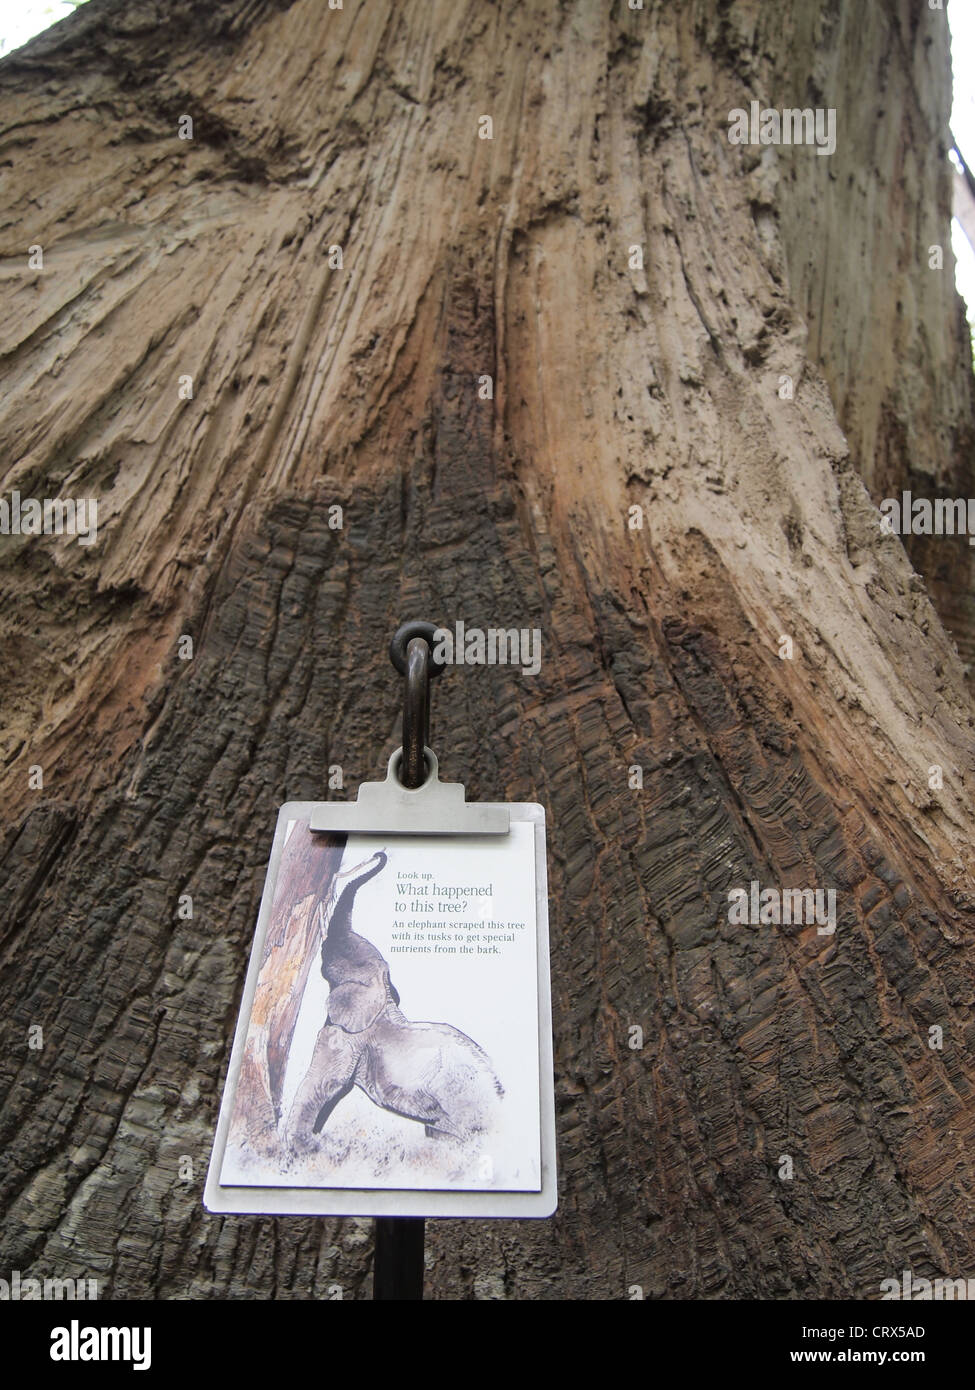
329 1105
412 1102
431 1073
444 1129
330 1076
420 1105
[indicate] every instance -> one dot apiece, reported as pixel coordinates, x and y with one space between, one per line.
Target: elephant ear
355 1007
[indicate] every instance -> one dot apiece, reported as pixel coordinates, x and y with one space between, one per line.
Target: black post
397 1271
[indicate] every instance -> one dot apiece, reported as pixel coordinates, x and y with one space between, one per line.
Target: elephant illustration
428 1072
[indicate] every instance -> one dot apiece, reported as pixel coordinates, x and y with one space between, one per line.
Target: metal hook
416 713
411 652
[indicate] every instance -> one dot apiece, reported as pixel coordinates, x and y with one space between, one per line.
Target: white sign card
393 1053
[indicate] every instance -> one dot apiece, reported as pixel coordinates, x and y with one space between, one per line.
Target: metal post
398 1262
397 1271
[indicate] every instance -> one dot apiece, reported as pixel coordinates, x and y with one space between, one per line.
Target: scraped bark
362 386
292 948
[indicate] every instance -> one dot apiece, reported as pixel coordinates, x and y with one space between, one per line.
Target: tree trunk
509 502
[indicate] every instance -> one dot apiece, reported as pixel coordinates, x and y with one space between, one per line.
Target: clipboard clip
389 808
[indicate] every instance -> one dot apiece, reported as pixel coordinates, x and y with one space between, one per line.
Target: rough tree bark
358 386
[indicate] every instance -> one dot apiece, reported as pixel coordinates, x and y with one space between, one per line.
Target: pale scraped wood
612 387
